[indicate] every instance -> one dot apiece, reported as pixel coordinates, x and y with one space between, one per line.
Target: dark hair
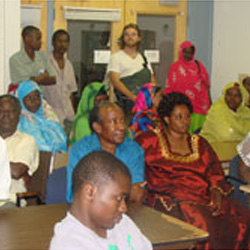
170 101
28 30
58 33
102 91
14 100
157 89
247 78
128 26
98 167
94 115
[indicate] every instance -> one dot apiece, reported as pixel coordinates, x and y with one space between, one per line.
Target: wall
43 4
9 34
231 43
200 30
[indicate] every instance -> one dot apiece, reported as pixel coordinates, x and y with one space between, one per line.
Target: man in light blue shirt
107 122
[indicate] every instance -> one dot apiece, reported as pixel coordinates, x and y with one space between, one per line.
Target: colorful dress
190 78
223 124
180 186
145 117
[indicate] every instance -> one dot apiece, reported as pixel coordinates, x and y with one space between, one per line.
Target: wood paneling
43 3
129 10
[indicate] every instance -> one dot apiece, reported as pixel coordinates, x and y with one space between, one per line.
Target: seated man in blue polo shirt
107 123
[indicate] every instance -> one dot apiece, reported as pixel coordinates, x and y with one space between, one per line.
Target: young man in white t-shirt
128 69
96 220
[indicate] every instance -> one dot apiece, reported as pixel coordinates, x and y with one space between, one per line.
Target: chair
58 160
37 187
226 151
234 179
56 187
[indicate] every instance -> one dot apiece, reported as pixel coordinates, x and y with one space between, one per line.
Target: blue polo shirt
129 152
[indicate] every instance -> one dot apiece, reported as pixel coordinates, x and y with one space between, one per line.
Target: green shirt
23 68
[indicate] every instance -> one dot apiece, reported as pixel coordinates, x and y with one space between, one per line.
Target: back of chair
39 178
56 187
236 182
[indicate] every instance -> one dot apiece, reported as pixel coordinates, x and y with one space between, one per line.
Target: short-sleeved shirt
120 62
23 68
22 148
129 152
58 95
5 176
70 233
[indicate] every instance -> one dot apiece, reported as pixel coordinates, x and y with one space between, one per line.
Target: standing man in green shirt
30 62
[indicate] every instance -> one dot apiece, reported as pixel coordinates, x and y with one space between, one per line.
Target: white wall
9 38
231 43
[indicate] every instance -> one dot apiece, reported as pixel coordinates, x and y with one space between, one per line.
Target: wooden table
32 227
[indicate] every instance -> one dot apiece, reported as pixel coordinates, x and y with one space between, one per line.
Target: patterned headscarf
145 117
144 98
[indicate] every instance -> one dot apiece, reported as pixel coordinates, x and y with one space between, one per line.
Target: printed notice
153 55
101 56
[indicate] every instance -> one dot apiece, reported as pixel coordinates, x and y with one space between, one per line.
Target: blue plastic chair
56 187
234 179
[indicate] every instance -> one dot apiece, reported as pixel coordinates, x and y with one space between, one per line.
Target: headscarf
190 78
223 124
49 135
80 126
145 117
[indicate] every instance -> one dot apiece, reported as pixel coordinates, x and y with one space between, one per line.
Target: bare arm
115 79
153 78
18 170
138 193
44 79
216 201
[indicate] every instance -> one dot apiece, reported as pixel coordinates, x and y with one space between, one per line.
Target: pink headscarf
190 78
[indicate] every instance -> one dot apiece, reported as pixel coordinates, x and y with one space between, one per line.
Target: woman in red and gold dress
185 178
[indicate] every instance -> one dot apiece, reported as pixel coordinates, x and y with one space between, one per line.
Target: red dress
180 186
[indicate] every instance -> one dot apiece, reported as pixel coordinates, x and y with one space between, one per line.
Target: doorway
89 36
158 33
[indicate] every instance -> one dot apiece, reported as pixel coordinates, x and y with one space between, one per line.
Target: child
96 220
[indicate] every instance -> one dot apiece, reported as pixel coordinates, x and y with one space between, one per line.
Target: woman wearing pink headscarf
190 77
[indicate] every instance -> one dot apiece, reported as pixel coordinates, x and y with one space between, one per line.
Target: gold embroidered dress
180 186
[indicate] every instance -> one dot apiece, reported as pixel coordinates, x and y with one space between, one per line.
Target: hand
216 202
133 98
137 193
26 178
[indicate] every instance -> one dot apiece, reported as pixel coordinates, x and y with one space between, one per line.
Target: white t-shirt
71 234
5 177
120 62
